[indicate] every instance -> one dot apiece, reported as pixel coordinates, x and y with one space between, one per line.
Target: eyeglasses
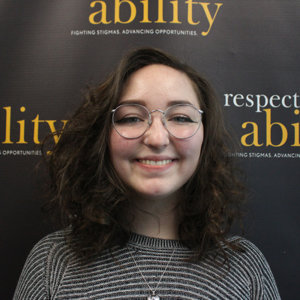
131 121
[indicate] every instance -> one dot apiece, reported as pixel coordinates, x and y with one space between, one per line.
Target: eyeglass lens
132 120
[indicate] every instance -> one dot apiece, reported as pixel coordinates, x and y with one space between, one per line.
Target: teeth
155 162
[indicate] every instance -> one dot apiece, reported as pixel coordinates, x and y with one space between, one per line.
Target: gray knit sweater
52 271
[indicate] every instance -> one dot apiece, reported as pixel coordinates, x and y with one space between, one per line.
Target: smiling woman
155 162
146 194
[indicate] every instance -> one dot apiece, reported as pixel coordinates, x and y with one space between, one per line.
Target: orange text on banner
100 16
252 138
21 130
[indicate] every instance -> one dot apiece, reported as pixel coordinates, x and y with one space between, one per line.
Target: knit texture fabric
52 271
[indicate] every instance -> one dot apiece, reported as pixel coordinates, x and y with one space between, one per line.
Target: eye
180 119
130 120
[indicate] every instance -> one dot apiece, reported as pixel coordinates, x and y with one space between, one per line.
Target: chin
157 193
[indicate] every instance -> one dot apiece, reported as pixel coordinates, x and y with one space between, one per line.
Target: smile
155 162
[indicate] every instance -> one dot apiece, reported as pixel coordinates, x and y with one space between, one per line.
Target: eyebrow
142 102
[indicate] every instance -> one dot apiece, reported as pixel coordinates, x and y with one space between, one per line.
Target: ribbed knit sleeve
49 256
263 285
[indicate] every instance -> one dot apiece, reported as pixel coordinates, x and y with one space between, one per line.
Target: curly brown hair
88 194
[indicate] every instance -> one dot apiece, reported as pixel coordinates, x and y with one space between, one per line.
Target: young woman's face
156 164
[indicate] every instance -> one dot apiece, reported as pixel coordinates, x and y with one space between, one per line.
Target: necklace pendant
153 297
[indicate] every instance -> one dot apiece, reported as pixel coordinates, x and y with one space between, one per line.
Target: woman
142 180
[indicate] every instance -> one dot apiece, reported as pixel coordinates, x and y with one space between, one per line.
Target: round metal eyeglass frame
150 119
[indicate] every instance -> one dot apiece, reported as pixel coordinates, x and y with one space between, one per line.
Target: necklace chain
153 291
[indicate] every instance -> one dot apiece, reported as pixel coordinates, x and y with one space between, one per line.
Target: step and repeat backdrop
249 50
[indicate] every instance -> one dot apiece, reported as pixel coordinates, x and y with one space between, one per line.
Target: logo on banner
197 17
267 130
24 132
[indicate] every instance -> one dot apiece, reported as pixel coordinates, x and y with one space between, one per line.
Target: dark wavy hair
89 196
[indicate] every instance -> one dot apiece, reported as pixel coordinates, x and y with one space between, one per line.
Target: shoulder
57 237
248 249
249 254
51 244
44 265
53 251
250 263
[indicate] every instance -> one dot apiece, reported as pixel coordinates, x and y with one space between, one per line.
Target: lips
155 162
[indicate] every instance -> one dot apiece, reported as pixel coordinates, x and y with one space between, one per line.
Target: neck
156 217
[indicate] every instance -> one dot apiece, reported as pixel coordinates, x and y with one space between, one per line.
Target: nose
157 135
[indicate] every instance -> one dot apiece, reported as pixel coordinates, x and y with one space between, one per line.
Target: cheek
120 148
191 148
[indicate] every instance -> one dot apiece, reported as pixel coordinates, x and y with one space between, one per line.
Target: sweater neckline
139 240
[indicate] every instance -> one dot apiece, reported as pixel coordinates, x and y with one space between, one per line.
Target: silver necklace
153 295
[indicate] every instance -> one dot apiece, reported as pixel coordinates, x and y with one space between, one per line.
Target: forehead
157 85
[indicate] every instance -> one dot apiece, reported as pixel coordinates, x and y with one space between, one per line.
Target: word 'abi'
252 138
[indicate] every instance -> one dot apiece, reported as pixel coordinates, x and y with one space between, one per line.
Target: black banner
50 51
